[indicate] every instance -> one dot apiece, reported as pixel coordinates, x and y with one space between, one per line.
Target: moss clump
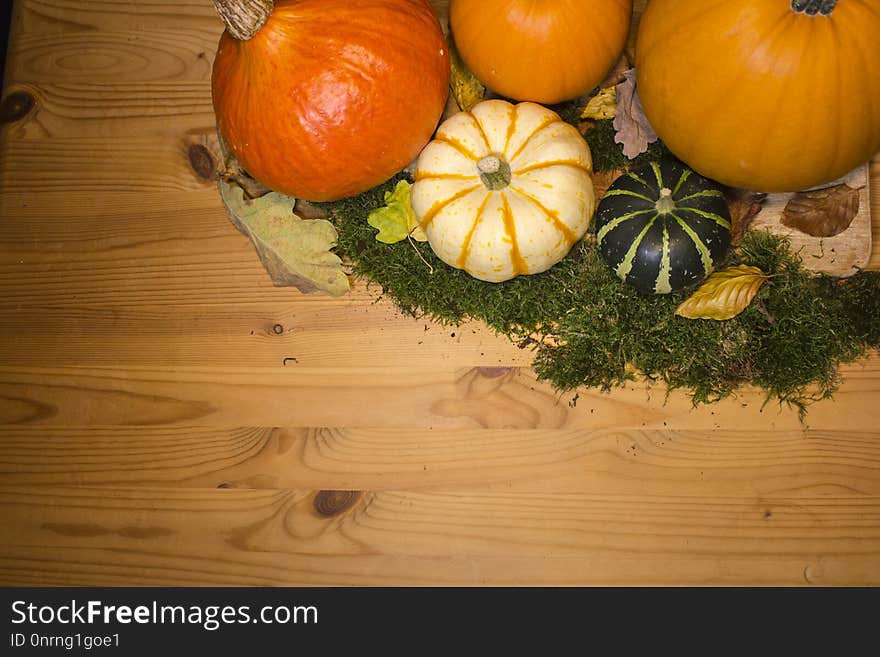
589 329
608 154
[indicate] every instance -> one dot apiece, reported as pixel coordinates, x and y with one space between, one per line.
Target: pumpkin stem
494 172
665 204
813 7
244 18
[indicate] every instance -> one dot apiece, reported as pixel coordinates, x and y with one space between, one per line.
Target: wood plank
145 109
391 396
841 255
619 461
144 165
91 58
159 536
66 16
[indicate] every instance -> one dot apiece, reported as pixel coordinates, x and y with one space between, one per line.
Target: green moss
608 154
588 329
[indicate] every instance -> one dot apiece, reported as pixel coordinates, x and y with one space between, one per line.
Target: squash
768 95
534 50
324 99
504 190
662 227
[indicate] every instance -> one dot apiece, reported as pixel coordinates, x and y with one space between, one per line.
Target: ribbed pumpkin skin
535 50
523 228
754 95
332 97
656 252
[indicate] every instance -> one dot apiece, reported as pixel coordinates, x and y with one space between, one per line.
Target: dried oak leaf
295 251
822 212
724 294
633 131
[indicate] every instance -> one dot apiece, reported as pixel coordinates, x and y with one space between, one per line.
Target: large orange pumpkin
324 99
771 95
541 51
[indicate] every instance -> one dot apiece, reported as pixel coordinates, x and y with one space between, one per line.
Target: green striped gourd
662 227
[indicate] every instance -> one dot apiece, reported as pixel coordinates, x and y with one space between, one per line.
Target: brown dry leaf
602 180
822 212
744 206
616 75
295 251
724 294
633 130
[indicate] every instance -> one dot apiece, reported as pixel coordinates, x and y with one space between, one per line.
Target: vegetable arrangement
493 215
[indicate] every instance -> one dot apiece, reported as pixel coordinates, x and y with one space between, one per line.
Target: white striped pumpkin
504 190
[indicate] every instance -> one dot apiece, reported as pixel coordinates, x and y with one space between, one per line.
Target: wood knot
333 502
202 162
16 106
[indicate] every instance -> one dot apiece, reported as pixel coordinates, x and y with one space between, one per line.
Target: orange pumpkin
324 99
770 95
541 51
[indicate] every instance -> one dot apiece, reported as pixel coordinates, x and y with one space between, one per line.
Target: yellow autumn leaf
396 220
601 106
724 294
467 90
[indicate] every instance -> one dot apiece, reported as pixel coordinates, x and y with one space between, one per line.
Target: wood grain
750 464
276 537
169 417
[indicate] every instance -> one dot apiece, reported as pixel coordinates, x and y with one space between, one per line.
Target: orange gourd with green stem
324 99
536 50
770 95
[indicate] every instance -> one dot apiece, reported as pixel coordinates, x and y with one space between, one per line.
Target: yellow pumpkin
770 95
504 190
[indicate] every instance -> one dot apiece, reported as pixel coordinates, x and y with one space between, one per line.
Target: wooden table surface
169 417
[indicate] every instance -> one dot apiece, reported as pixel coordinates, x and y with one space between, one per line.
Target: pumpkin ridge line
482 132
705 256
702 194
658 175
466 245
684 176
544 124
717 218
625 266
614 223
628 192
436 209
420 175
511 129
662 284
457 145
552 163
560 225
516 259
639 180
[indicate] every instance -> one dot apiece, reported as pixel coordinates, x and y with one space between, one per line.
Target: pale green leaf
397 219
295 251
